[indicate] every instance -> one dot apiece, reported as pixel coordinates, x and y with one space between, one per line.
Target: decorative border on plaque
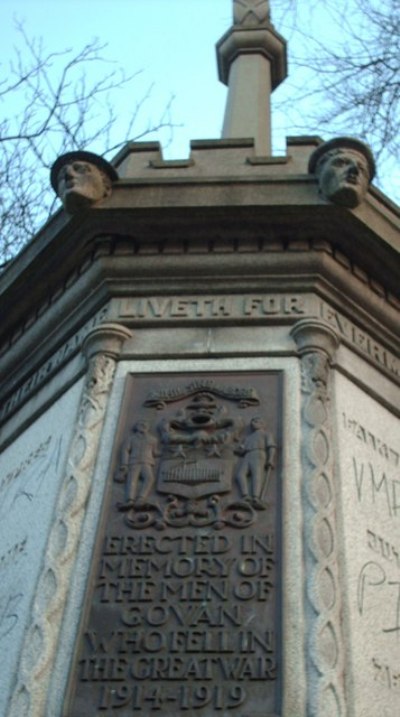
30 693
182 606
325 650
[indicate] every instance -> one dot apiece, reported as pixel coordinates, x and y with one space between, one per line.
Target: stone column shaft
248 108
252 62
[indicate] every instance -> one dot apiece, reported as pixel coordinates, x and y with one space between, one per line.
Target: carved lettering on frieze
185 603
49 367
213 307
361 341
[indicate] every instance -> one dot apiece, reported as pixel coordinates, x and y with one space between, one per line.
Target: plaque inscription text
183 615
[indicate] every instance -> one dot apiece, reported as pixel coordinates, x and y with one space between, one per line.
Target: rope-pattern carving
324 651
38 652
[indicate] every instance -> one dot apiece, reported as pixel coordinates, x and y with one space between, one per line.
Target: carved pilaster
101 348
316 344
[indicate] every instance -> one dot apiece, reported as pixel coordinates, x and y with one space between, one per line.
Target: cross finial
251 13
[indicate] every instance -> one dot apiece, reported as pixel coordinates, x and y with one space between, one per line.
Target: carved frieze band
324 649
102 348
206 309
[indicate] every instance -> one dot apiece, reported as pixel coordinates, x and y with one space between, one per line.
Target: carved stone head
141 427
257 423
81 179
344 167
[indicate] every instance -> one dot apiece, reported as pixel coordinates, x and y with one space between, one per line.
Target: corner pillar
101 348
324 659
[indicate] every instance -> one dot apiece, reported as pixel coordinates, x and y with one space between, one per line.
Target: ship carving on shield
193 457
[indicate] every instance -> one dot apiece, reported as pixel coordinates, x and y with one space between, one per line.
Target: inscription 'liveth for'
218 307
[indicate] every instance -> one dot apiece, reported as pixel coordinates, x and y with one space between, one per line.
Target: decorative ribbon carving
324 649
102 347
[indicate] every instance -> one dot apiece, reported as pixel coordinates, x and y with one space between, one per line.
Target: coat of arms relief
205 459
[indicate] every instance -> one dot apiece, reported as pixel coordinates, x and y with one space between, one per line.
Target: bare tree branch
56 102
347 54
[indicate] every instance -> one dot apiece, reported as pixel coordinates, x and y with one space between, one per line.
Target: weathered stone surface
31 473
369 471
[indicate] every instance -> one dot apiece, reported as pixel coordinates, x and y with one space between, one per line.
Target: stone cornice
46 267
358 313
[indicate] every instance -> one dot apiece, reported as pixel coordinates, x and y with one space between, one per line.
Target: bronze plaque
183 610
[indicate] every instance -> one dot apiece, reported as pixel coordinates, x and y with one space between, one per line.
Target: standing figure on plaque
258 453
138 456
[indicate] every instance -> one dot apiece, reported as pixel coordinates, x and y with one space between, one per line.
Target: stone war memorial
200 455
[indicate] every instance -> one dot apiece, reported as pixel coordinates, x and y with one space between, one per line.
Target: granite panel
368 459
31 471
